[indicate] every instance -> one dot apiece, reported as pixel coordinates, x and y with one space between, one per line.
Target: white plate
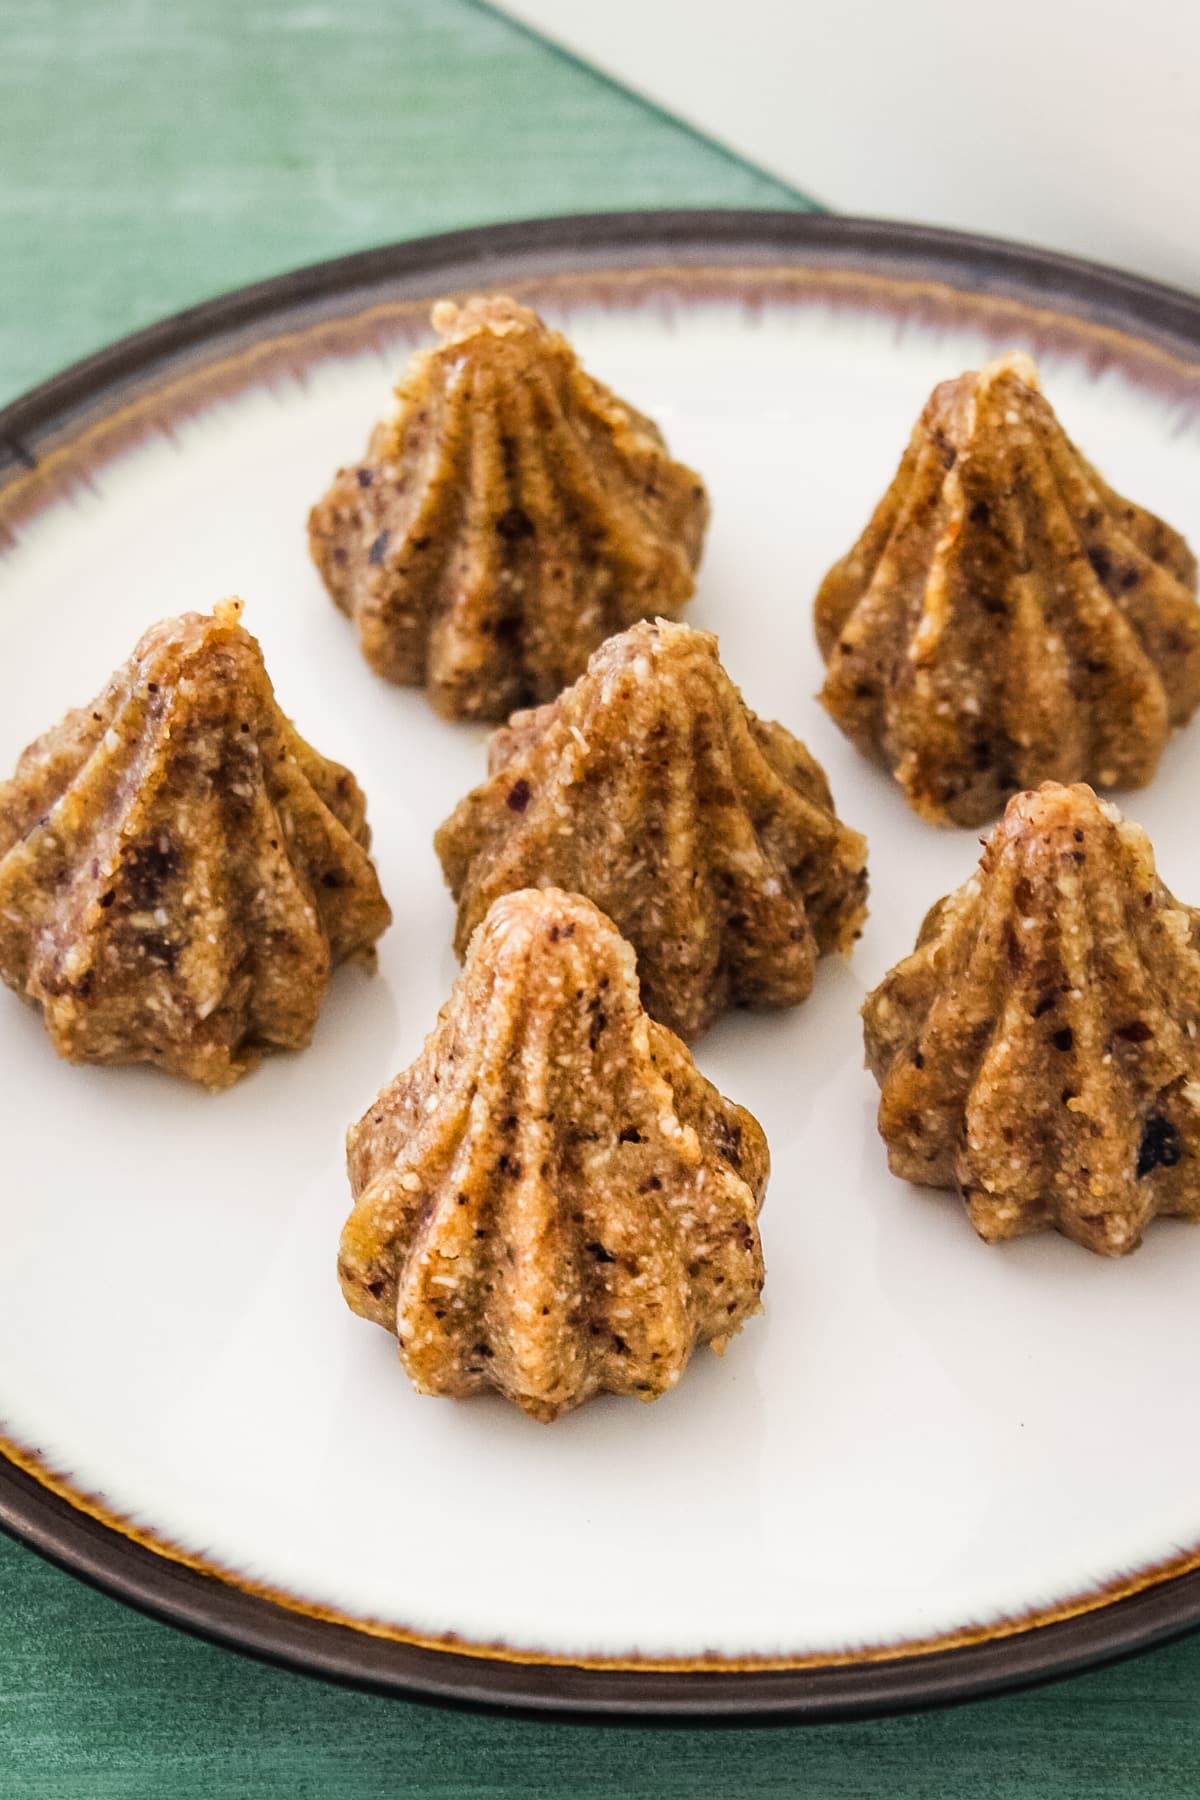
923 1441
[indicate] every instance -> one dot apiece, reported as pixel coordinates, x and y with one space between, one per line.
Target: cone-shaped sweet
552 1201
1039 1050
179 870
1006 618
706 834
509 517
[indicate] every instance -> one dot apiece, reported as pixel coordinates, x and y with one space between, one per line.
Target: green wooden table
154 154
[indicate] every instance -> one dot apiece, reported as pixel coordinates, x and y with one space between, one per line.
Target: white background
1072 124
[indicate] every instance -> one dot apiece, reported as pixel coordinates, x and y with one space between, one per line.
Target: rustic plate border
1158 321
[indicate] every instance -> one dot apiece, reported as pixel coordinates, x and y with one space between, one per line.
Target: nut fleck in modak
705 833
510 516
1006 618
1038 1050
179 870
552 1201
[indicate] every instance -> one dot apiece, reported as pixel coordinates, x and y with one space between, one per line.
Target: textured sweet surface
509 517
706 833
179 870
1006 618
1039 1049
553 1201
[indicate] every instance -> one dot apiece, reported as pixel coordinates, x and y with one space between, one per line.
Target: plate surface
930 1467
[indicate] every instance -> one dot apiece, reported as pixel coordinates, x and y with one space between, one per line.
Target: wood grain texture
153 152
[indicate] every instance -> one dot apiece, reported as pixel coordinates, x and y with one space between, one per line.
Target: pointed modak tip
456 320
974 385
1059 821
1015 363
1055 806
1061 818
229 611
526 920
658 640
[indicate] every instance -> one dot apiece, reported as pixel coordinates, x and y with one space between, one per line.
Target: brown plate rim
92 1547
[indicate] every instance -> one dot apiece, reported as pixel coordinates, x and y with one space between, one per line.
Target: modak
509 517
1039 1050
179 870
705 833
1006 618
552 1201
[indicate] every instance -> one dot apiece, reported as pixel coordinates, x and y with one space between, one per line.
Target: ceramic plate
930 1467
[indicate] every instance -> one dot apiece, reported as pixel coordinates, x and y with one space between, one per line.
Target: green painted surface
153 153
97 1703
